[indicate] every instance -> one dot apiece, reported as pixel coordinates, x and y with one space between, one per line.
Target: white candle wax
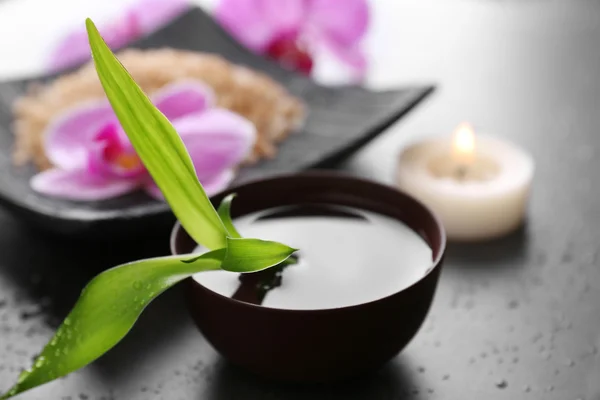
478 185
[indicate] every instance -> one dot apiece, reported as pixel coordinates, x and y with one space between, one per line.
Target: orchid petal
154 191
353 57
75 47
182 98
72 50
143 17
67 137
80 185
152 14
216 140
284 16
212 185
111 155
218 182
245 20
342 21
97 164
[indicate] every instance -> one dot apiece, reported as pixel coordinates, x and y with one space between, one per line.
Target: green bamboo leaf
251 255
225 215
224 211
106 310
158 145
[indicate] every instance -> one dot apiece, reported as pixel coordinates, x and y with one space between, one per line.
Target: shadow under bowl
309 346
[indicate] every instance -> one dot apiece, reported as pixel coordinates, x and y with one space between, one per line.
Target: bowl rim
436 265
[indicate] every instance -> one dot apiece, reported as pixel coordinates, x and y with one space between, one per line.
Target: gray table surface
517 318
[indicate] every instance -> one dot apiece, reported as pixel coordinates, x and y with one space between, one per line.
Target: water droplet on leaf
23 376
39 363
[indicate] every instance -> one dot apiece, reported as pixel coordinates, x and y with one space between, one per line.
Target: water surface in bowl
347 256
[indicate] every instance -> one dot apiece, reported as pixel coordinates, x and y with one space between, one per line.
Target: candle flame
464 139
463 143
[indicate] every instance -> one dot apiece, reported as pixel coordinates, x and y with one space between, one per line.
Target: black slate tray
340 121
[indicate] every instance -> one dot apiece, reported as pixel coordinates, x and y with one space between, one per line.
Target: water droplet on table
30 312
569 362
536 337
513 304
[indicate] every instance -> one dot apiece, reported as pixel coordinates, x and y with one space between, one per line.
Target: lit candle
479 186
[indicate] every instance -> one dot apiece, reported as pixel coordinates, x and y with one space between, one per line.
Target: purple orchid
94 160
292 31
142 18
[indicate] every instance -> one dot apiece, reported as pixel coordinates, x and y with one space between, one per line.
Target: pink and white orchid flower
292 31
142 18
94 160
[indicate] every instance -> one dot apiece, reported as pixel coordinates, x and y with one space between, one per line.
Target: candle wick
461 172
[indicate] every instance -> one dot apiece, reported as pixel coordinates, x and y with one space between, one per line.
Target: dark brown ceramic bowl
327 344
